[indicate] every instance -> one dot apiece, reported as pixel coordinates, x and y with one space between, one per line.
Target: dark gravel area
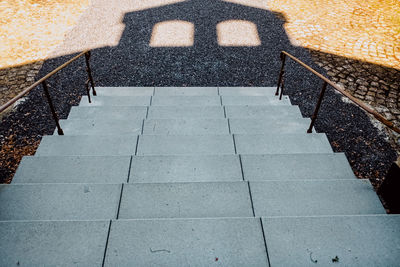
134 63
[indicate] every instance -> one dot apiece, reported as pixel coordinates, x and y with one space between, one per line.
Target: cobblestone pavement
356 42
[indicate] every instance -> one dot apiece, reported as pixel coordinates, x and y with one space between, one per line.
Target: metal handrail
42 81
327 82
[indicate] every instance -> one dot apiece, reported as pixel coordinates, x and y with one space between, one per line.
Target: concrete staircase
191 177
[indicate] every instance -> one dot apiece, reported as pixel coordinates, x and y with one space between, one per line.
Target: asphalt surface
134 63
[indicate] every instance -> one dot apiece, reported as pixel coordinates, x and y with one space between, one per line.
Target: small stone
363 88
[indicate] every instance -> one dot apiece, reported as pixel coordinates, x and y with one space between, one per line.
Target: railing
327 82
42 82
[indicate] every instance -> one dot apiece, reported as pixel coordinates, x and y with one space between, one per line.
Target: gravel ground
134 63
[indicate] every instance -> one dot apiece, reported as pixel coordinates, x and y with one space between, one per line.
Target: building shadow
134 62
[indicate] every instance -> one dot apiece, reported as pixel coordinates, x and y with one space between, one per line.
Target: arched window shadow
206 62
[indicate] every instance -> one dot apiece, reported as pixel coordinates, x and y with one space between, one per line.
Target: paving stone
116 101
186 101
296 167
189 91
186 242
108 112
274 125
281 112
72 169
59 201
124 91
186 200
185 144
315 197
86 145
53 243
282 143
176 112
186 168
186 126
101 126
247 91
254 100
350 240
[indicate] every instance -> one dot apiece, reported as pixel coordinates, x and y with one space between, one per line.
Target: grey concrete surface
101 126
188 91
282 143
186 126
124 91
296 167
315 197
108 112
187 242
253 100
53 243
209 168
185 144
72 169
167 100
268 125
85 145
116 101
281 112
186 200
247 91
59 201
364 241
177 112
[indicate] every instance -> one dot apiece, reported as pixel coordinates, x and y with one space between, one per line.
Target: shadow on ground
134 63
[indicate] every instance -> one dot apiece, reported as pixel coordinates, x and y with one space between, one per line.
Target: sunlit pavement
31 29
367 30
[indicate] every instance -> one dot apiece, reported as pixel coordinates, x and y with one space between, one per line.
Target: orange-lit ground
31 29
367 30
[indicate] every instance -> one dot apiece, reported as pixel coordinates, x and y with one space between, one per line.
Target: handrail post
53 111
283 59
89 71
88 90
314 116
282 86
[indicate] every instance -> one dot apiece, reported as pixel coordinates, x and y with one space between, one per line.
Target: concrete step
338 240
247 91
254 101
116 101
186 242
53 243
187 112
281 112
161 169
268 125
185 145
281 143
72 169
187 91
185 200
59 201
167 100
101 127
108 112
186 126
296 167
315 197
125 91
86 145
